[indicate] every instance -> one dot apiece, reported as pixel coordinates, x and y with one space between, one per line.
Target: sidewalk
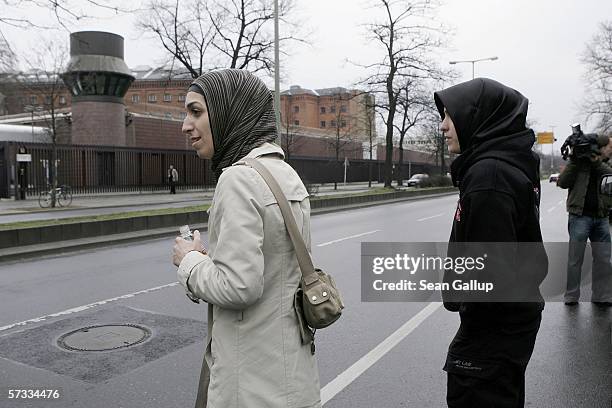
24 210
35 241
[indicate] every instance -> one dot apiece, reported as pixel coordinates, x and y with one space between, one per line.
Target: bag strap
304 260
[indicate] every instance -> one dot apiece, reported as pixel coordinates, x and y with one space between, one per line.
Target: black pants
486 364
172 187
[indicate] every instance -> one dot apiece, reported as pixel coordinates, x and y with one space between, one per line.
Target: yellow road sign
546 137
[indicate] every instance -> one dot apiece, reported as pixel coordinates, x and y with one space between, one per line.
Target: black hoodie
498 178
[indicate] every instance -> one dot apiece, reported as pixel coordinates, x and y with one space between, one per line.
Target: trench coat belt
201 399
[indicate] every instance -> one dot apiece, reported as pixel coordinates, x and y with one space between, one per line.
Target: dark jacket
498 179
576 177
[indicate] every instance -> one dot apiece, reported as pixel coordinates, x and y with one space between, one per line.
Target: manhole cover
104 337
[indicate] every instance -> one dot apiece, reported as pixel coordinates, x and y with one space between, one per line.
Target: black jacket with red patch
498 178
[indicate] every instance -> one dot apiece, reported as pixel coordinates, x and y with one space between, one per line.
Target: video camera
580 145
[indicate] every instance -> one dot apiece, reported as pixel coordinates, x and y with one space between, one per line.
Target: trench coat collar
265 149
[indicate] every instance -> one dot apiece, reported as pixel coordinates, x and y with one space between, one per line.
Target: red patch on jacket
458 212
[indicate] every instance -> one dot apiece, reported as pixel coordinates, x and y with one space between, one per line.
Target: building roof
332 91
26 117
298 90
144 72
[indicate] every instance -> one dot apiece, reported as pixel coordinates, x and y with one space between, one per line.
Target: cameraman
588 219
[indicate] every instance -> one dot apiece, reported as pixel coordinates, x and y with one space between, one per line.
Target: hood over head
482 109
489 118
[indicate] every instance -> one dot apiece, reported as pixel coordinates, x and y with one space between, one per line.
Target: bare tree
43 81
7 56
211 34
289 135
366 120
343 141
19 13
7 69
409 37
183 30
598 60
432 139
60 14
412 105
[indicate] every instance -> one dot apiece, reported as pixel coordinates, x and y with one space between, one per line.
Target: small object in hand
186 234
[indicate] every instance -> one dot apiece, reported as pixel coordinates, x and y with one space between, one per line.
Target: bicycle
63 197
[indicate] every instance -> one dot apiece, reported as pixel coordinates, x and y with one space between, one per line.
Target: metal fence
104 169
317 170
100 169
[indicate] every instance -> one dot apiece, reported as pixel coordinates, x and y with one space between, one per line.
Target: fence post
5 170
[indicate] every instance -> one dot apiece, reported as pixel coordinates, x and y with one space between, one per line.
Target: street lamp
277 73
473 62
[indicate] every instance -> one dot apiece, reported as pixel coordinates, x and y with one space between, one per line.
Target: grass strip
102 217
165 211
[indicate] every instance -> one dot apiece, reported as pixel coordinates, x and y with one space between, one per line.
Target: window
296 122
168 115
182 115
296 109
152 98
100 84
332 109
322 111
343 108
47 100
181 98
167 98
62 100
333 123
33 100
322 123
343 123
135 98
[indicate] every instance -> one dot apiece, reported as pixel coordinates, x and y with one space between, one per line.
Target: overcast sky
538 42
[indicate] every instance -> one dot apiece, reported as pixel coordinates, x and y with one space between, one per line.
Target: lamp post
473 62
552 150
277 73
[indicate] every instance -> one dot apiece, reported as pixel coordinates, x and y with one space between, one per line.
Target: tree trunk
399 165
53 174
389 155
53 169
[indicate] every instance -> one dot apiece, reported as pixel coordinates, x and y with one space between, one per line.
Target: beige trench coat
256 358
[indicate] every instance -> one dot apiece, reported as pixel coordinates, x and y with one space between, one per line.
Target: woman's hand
182 247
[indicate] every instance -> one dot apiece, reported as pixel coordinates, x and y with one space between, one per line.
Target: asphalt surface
377 355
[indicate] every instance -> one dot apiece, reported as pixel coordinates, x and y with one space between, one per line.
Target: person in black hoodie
498 178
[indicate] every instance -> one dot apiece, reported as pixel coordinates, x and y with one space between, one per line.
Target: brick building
329 111
316 122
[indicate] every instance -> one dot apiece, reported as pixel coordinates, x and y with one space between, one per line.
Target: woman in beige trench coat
250 272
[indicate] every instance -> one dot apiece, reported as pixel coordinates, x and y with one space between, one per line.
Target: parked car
416 179
553 178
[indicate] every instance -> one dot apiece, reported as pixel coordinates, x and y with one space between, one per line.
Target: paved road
377 355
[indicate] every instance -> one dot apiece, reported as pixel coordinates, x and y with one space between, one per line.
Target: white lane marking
85 307
345 238
332 388
429 218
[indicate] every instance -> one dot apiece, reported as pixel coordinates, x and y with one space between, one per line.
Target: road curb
160 226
